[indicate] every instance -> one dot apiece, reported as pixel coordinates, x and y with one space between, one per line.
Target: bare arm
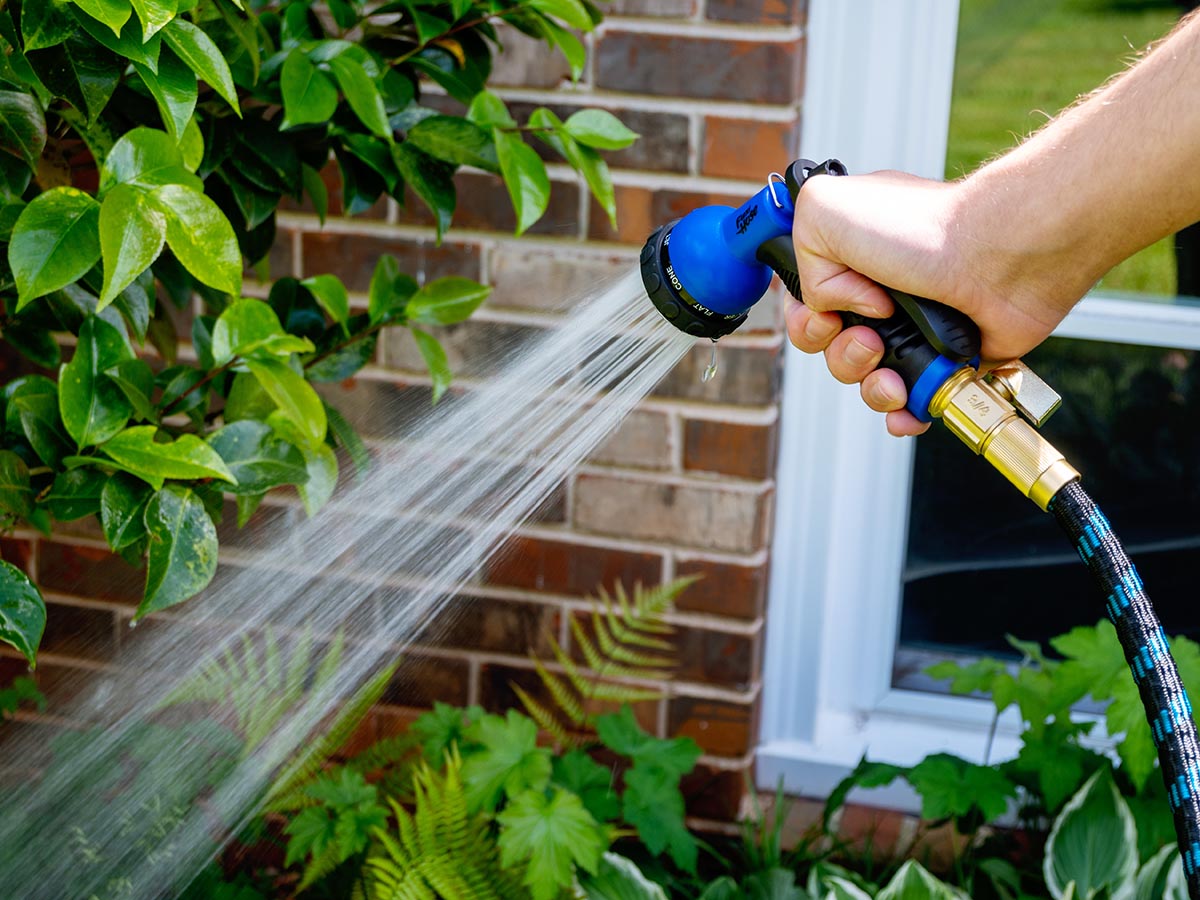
1017 243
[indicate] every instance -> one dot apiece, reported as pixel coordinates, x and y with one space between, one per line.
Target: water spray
705 271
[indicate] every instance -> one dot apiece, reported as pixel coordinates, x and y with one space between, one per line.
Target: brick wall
684 487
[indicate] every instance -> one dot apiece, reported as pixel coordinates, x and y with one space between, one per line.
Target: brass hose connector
983 419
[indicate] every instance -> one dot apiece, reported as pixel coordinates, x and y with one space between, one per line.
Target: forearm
1106 178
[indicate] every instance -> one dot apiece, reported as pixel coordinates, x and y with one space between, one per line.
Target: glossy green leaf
203 57
257 457
201 237
55 242
9 213
147 157
132 231
246 507
182 390
331 294
154 14
297 402
191 145
135 451
34 342
322 468
487 109
524 176
182 555
123 502
309 96
455 140
600 129
76 492
16 494
33 408
446 301
175 90
93 407
572 12
45 23
79 71
136 305
1093 842
22 612
317 192
113 13
569 45
362 93
435 358
583 159
249 327
128 44
389 292
349 439
136 381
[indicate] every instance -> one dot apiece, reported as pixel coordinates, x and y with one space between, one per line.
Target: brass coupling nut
987 422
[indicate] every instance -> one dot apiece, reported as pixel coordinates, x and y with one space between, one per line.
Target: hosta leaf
201 237
524 176
203 57
135 451
182 554
55 242
132 231
1093 842
446 301
22 612
94 408
258 458
309 96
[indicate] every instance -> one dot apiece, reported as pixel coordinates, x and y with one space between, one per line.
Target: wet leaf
182 554
135 451
93 407
22 612
55 242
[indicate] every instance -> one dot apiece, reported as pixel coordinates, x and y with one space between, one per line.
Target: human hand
928 238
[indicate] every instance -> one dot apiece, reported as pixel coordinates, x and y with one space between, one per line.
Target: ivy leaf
362 94
182 554
525 177
16 494
201 237
442 727
590 781
55 242
250 328
154 14
132 232
653 805
79 71
309 96
552 835
257 458
573 12
135 451
22 127
175 90
950 786
76 492
455 140
45 24
321 467
435 358
22 612
123 502
510 761
431 180
113 13
93 408
147 157
331 294
600 129
446 301
298 403
203 57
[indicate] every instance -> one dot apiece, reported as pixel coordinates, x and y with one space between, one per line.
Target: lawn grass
1021 61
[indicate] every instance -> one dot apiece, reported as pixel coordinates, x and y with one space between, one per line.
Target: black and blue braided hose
1168 709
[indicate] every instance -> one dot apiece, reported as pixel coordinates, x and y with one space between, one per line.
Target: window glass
981 560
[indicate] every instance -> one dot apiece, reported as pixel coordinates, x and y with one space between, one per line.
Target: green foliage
147 145
337 827
22 690
1093 844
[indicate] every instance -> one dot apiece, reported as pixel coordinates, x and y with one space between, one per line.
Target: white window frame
878 84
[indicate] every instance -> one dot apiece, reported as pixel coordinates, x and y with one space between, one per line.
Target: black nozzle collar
671 298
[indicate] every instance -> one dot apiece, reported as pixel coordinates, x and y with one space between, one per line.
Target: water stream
113 811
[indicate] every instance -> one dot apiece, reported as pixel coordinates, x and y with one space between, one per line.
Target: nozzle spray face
672 299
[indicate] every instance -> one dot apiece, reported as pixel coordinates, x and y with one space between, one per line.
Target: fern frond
617 651
545 719
623 693
384 754
627 634
598 662
568 697
321 865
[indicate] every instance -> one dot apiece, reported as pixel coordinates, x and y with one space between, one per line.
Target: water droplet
711 371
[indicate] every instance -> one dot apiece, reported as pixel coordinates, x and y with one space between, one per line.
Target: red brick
79 632
423 680
494 625
18 553
721 729
382 409
705 68
673 9
88 572
760 12
548 281
716 657
724 589
712 793
741 148
526 62
496 694
746 376
331 174
641 210
484 205
352 257
691 515
641 441
503 341
565 568
745 451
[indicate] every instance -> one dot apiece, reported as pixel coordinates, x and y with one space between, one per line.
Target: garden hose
705 271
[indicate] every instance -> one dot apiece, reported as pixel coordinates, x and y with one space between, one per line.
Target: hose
1168 709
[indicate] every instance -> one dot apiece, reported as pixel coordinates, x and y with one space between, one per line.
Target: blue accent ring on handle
935 375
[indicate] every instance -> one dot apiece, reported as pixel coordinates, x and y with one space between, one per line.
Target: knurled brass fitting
986 422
